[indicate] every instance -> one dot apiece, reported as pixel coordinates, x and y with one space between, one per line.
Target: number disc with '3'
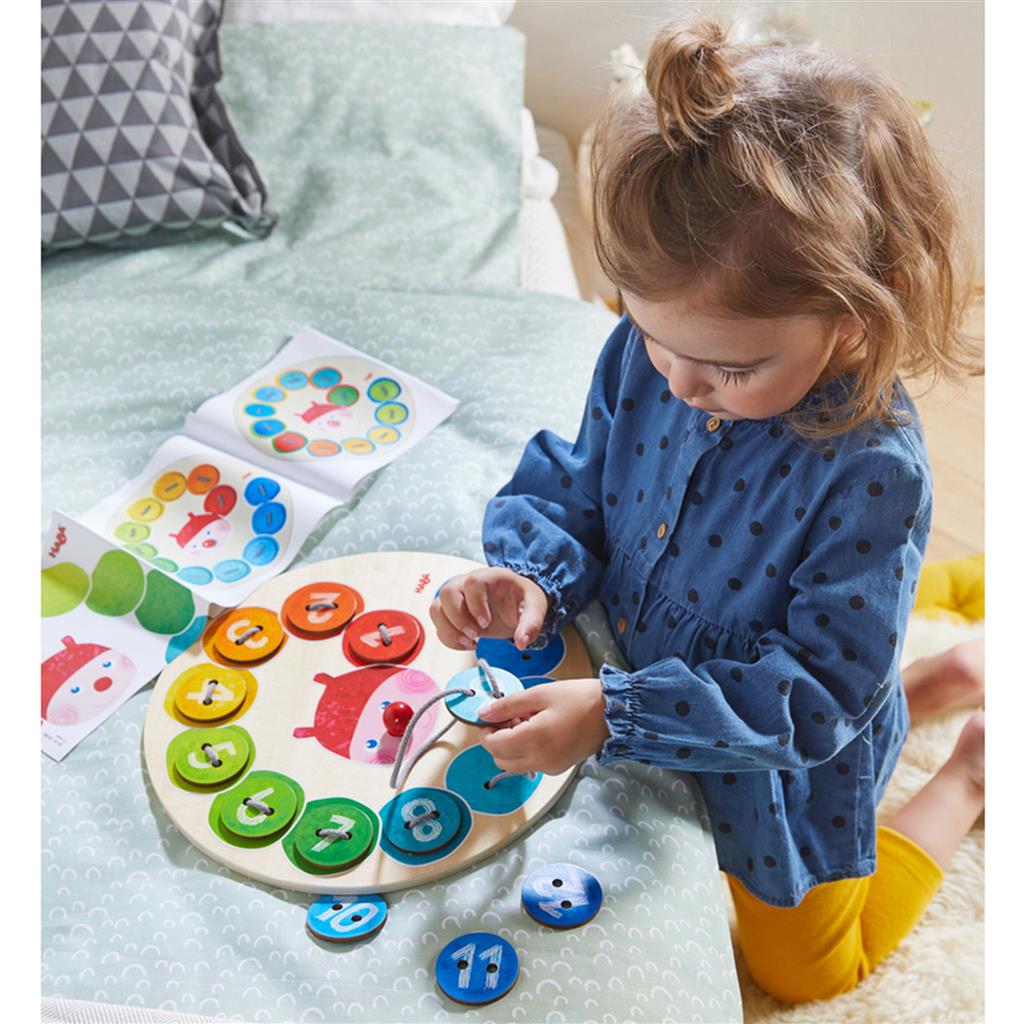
477 968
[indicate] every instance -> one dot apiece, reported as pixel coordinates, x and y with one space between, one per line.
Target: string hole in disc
566 904
337 906
491 968
463 964
357 917
557 882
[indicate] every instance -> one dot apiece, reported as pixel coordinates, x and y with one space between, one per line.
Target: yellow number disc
206 693
145 510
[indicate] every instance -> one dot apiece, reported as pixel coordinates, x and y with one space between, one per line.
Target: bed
393 156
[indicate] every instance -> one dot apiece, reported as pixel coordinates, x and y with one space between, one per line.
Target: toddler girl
749 495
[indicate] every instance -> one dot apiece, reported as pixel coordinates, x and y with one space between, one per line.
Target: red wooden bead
396 717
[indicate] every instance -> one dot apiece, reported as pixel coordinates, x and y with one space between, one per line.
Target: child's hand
489 602
554 726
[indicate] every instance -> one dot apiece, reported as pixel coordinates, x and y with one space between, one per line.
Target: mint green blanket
393 160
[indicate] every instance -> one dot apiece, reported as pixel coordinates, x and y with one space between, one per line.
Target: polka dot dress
759 584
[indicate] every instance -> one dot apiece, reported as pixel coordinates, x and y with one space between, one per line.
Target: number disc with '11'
477 968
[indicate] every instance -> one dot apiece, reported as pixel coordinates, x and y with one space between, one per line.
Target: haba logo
424 580
59 541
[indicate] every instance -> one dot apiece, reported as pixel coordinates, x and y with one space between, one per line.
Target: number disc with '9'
477 968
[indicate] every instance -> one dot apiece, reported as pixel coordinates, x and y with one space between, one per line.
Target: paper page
110 623
321 413
216 524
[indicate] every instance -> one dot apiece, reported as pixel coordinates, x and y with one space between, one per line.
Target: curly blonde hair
787 182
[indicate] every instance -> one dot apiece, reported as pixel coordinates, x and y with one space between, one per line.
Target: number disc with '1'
477 968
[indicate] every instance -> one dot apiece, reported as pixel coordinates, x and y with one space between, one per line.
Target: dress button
713 424
621 625
662 530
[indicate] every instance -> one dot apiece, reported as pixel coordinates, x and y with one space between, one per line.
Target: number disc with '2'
477 968
561 895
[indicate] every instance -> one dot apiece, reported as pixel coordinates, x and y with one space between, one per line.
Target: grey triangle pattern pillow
134 135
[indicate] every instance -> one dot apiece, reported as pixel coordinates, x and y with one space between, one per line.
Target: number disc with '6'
477 968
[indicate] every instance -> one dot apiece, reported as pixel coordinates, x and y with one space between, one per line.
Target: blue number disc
504 654
469 774
393 810
269 518
325 377
261 550
421 819
346 918
267 428
261 489
195 574
231 570
561 895
529 681
477 968
259 409
292 380
269 394
465 707
391 413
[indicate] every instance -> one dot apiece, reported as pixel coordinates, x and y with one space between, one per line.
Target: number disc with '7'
477 968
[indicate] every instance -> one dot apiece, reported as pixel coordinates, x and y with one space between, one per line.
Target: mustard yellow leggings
840 931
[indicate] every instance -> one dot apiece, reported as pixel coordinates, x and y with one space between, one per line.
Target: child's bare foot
946 681
968 757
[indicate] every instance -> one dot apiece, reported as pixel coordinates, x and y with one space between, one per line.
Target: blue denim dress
759 584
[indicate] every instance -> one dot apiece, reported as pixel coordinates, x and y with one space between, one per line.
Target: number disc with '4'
561 895
477 968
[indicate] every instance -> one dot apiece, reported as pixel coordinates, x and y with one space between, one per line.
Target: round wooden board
286 696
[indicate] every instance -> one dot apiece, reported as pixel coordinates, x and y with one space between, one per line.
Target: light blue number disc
267 428
259 409
346 918
261 550
472 774
465 707
231 570
269 394
325 377
269 518
504 654
292 380
561 895
477 968
261 489
183 641
197 574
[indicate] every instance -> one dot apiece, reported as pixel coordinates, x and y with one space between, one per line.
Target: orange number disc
248 634
320 610
382 636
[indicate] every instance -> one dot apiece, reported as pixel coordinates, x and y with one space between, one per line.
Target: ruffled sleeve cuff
617 687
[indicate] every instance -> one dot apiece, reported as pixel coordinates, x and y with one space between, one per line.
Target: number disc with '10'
477 968
346 918
561 895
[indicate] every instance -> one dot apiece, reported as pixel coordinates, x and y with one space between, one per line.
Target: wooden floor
954 423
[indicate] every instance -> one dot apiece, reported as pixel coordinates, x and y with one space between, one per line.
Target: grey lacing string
491 681
250 632
261 807
494 779
400 772
211 755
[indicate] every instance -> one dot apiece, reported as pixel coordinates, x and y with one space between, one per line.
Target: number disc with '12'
561 895
477 968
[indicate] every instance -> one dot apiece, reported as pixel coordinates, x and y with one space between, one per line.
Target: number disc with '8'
477 968
422 819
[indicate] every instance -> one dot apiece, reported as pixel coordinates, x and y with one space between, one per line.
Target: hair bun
690 79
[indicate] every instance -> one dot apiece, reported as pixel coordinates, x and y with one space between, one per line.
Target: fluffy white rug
937 974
